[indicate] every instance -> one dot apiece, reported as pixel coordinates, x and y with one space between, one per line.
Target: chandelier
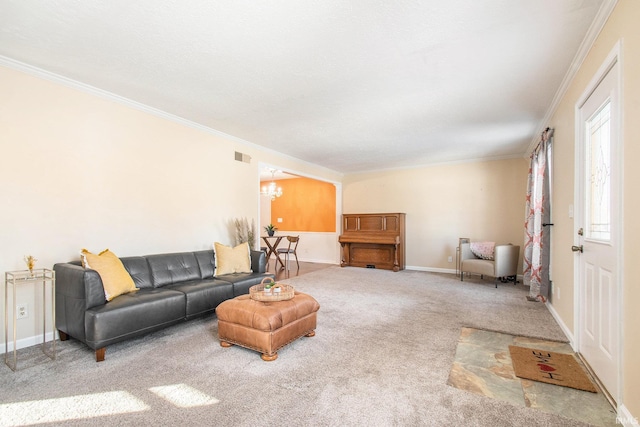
271 190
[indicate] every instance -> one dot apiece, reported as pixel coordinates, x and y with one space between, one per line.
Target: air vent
241 157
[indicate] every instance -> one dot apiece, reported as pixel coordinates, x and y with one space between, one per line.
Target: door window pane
598 177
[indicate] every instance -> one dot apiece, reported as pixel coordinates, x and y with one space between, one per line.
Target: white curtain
537 221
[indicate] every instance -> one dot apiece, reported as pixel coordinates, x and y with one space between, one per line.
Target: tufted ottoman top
266 316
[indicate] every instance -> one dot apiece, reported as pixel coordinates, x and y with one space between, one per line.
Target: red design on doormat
545 365
546 368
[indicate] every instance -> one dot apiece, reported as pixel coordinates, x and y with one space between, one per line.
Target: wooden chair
291 249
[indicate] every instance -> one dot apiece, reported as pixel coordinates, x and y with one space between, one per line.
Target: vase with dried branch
30 260
245 232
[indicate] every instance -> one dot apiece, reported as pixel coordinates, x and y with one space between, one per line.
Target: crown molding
435 164
587 43
110 96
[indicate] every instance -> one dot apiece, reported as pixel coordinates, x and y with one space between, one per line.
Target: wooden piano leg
396 265
345 254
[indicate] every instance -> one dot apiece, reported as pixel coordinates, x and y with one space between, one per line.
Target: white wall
80 170
483 201
315 247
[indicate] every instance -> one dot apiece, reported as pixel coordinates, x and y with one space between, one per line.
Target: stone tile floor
483 366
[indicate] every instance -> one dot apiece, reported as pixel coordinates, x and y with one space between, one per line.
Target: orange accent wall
305 205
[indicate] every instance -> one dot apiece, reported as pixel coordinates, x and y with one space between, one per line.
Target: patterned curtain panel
537 217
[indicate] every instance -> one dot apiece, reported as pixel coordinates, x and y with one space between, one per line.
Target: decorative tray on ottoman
275 292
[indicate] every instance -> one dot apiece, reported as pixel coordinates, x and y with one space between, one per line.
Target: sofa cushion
479 266
206 262
138 269
115 278
173 268
133 314
243 281
203 296
232 260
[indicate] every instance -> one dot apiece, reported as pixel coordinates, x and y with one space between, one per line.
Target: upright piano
373 240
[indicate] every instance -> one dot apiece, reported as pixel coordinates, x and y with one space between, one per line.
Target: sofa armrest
506 258
465 252
80 283
77 289
258 261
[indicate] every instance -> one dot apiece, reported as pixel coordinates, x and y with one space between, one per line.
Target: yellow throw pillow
232 260
115 278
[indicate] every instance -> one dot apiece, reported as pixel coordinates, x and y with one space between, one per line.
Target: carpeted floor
382 354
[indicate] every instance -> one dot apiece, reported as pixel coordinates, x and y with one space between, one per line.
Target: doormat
550 367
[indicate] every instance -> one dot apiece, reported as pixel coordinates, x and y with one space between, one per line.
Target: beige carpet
381 356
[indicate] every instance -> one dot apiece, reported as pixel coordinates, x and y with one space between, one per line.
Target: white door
598 231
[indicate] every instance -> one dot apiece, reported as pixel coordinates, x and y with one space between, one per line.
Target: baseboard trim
625 417
430 269
317 261
26 342
562 325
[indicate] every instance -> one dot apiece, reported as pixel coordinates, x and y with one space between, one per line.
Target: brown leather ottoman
266 326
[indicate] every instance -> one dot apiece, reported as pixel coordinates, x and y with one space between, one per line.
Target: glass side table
16 278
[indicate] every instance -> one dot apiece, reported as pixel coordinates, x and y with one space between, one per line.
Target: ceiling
349 85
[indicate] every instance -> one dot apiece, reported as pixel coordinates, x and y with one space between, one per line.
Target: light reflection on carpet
70 408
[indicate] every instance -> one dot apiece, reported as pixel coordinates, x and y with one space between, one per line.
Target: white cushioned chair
503 265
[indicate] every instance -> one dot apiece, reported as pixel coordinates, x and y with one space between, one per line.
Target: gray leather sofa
173 288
